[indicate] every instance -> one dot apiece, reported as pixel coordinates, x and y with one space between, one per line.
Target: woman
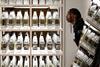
74 17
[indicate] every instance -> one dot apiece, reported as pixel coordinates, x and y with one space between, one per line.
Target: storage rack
90 37
30 8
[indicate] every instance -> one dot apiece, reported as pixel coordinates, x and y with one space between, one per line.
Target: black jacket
78 27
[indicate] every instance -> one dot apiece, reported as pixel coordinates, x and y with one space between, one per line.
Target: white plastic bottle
49 42
5 40
49 2
11 19
6 62
42 22
26 63
20 62
12 42
42 63
19 43
49 19
13 62
41 41
35 61
19 19
26 20
48 62
4 19
26 41
56 40
56 21
19 2
41 2
26 2
35 41
55 61
35 20
35 2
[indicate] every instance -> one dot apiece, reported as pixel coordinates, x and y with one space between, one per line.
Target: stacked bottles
15 21
35 20
15 61
12 41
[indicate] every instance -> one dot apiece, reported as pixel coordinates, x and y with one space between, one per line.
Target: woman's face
70 17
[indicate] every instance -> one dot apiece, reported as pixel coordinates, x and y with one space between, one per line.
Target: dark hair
75 12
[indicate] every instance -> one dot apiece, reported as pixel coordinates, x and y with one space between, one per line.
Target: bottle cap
41 15
48 15
35 15
26 16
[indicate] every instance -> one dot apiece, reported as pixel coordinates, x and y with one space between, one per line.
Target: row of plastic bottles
82 56
90 34
21 41
20 20
9 19
26 2
24 61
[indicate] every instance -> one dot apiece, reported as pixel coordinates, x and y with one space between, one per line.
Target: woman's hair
75 12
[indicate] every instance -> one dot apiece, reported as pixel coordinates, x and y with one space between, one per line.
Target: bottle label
3 46
49 46
42 22
19 46
11 21
35 46
49 22
35 22
18 22
4 22
42 46
11 46
25 22
26 46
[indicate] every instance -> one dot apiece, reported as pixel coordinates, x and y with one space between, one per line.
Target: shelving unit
91 36
17 20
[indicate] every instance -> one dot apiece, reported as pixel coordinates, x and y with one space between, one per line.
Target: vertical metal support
0 33
30 33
